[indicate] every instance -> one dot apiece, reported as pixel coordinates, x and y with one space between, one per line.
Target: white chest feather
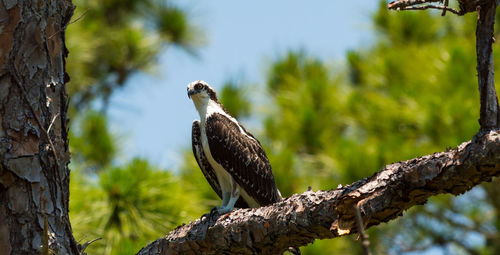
223 176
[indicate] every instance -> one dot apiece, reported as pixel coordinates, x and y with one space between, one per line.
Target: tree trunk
34 174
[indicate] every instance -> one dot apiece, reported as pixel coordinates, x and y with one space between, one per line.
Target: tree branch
404 5
302 218
465 6
489 113
425 7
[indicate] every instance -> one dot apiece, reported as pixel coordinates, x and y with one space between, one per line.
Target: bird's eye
198 86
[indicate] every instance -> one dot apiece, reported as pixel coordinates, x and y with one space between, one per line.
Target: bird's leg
233 197
226 197
228 201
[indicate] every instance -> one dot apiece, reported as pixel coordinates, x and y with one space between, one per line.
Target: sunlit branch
302 218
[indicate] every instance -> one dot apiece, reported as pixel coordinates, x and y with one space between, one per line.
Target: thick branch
302 218
489 114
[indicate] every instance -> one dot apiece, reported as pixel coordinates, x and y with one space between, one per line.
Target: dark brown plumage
243 157
205 166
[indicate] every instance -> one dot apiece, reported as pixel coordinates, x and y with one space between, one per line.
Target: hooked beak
191 92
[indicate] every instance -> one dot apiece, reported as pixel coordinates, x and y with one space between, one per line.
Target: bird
229 156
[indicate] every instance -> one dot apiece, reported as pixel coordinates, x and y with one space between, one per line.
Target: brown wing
243 157
205 166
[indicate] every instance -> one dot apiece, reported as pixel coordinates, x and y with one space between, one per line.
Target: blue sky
152 115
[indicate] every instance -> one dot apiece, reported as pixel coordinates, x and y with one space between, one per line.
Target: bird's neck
207 107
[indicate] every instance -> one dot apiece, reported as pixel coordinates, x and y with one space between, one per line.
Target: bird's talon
205 215
214 212
210 215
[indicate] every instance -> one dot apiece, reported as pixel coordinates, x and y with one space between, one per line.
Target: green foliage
92 144
234 100
196 184
408 27
416 97
128 206
413 93
131 204
115 39
304 123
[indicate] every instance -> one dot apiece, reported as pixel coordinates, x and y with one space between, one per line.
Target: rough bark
489 112
34 156
302 218
471 5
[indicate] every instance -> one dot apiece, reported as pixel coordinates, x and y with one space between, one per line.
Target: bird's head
201 91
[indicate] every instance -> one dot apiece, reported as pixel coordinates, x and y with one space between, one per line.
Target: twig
405 3
446 2
85 245
364 237
425 7
52 122
77 19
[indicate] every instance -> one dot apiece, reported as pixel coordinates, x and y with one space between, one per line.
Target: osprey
231 159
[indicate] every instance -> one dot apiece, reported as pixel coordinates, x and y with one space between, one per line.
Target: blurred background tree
412 92
129 203
115 39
